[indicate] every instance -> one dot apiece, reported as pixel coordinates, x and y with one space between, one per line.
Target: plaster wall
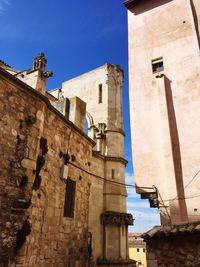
165 122
86 87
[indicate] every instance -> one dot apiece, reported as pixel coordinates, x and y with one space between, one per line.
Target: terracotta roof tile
172 229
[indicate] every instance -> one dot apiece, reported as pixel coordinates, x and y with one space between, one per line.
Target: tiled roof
135 239
173 229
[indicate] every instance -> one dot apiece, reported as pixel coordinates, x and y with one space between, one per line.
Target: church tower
101 90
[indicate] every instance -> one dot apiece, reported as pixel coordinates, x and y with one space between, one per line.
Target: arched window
86 127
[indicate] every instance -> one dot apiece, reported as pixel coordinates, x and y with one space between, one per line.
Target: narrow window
144 250
100 93
138 250
157 65
69 198
113 173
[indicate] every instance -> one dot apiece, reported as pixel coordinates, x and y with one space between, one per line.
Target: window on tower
100 93
113 173
157 65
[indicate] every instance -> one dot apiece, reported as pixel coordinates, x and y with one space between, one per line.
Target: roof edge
129 3
45 99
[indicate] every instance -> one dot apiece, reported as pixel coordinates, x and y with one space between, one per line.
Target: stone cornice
116 131
117 218
107 158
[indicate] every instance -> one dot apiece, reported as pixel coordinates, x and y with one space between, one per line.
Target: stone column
127 249
115 221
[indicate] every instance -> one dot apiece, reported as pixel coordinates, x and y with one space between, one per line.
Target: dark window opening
113 174
144 250
100 93
157 65
138 250
69 198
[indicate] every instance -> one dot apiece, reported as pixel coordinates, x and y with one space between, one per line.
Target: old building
164 67
173 245
101 90
137 249
62 193
164 102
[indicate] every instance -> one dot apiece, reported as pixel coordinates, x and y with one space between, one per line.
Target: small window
100 93
157 65
113 174
69 198
144 250
138 250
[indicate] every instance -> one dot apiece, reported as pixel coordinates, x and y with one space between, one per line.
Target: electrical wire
158 192
134 186
192 179
185 215
182 198
106 180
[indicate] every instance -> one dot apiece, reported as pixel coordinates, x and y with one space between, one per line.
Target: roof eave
129 3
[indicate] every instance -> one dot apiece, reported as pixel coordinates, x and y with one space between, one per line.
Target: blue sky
76 36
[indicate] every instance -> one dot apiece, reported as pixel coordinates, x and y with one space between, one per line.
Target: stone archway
90 131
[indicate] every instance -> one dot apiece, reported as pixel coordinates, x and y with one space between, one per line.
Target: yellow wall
138 256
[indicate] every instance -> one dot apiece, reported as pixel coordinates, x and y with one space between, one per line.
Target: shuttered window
69 198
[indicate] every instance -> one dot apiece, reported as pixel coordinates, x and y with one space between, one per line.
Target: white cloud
131 193
130 178
3 3
145 217
131 190
144 221
149 216
138 204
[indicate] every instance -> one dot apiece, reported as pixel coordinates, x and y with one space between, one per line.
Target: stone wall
35 143
175 251
101 90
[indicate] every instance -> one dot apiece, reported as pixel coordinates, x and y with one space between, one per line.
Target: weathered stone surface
52 239
39 143
175 251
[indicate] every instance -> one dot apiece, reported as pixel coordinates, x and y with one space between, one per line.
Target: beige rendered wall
86 87
139 257
165 110
96 206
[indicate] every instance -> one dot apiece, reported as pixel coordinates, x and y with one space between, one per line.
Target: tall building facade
101 90
164 73
62 193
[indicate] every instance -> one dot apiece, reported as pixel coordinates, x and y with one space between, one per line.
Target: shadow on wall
146 5
195 17
176 153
